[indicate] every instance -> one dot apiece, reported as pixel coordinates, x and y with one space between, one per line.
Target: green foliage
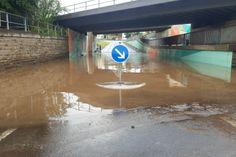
43 11
40 13
6 5
47 10
102 43
139 34
128 35
21 7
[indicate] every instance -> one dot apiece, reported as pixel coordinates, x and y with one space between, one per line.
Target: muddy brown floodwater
36 98
34 93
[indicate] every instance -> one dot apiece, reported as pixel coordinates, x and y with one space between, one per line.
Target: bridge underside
150 15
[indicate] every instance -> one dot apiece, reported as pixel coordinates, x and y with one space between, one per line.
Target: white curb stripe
6 133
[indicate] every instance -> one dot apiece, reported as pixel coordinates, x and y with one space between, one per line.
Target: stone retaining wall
18 48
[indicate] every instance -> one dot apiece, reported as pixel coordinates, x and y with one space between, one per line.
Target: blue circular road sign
120 54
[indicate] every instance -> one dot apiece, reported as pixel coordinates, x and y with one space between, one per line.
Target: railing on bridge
10 21
212 36
92 4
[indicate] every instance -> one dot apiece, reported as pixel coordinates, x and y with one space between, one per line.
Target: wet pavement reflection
54 108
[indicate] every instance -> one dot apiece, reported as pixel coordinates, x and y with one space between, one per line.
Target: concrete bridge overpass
143 15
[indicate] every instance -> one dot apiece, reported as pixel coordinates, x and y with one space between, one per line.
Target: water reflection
73 100
121 85
210 70
133 65
89 63
214 71
174 83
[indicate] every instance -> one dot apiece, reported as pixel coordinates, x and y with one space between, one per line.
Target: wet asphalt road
122 133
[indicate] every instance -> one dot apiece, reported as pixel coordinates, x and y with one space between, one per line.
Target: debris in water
181 108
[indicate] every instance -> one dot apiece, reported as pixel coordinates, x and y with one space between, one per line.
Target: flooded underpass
57 108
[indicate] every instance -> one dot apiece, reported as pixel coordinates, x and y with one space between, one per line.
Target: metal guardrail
8 21
11 21
92 4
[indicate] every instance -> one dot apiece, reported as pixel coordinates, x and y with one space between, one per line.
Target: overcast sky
70 2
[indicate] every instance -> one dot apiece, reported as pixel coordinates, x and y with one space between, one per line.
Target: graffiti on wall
76 44
175 30
179 29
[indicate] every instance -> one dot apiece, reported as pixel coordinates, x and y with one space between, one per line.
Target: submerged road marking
230 121
6 133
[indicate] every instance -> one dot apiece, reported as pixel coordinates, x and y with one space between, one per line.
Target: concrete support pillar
89 43
76 44
70 40
94 43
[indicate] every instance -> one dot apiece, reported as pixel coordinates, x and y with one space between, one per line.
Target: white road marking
229 120
6 133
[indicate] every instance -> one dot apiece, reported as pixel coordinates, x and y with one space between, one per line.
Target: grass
103 43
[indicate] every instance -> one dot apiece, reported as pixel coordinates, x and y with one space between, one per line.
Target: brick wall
17 48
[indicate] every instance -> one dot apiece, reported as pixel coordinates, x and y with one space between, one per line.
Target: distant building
100 36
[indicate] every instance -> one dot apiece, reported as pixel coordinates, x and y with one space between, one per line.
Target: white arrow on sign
122 55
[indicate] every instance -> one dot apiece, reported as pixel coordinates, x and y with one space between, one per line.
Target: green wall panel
219 58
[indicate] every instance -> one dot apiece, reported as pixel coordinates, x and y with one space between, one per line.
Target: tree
43 11
38 12
6 5
47 10
44 16
21 7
